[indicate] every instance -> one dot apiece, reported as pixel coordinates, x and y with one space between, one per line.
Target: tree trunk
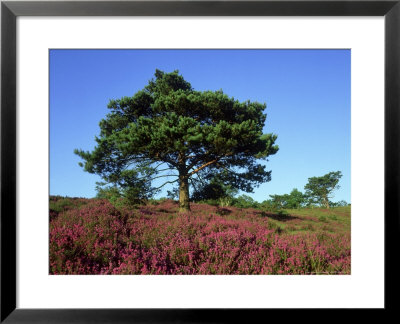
326 202
184 205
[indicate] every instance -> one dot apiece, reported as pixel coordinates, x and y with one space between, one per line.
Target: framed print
186 84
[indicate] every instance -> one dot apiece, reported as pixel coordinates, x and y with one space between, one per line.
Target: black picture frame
10 10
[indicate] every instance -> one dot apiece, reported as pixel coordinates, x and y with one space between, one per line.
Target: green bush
60 205
245 201
322 219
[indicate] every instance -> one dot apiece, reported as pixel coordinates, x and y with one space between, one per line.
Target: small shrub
60 205
308 227
282 213
322 219
223 211
273 225
153 202
225 201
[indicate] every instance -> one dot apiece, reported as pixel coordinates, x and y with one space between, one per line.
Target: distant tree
279 201
131 193
267 205
169 130
320 189
341 203
295 199
245 201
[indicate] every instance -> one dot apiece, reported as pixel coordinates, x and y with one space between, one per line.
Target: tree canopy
169 130
293 200
320 189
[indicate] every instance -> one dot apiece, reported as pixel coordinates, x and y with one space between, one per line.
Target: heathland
97 236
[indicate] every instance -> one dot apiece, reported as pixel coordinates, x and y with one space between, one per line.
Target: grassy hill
93 236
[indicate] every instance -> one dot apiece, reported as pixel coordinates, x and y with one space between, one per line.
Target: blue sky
307 93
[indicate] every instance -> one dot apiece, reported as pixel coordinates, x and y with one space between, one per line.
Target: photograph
199 162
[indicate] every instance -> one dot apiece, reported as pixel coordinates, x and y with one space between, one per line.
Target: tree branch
161 176
192 182
164 176
202 167
165 184
205 155
166 169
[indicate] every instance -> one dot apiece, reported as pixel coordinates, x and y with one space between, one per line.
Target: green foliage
276 226
319 189
295 199
211 202
267 205
283 213
122 195
341 203
278 201
244 201
322 218
169 130
225 201
110 192
60 205
216 188
173 194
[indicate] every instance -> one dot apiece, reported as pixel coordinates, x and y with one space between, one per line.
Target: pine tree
320 189
169 130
